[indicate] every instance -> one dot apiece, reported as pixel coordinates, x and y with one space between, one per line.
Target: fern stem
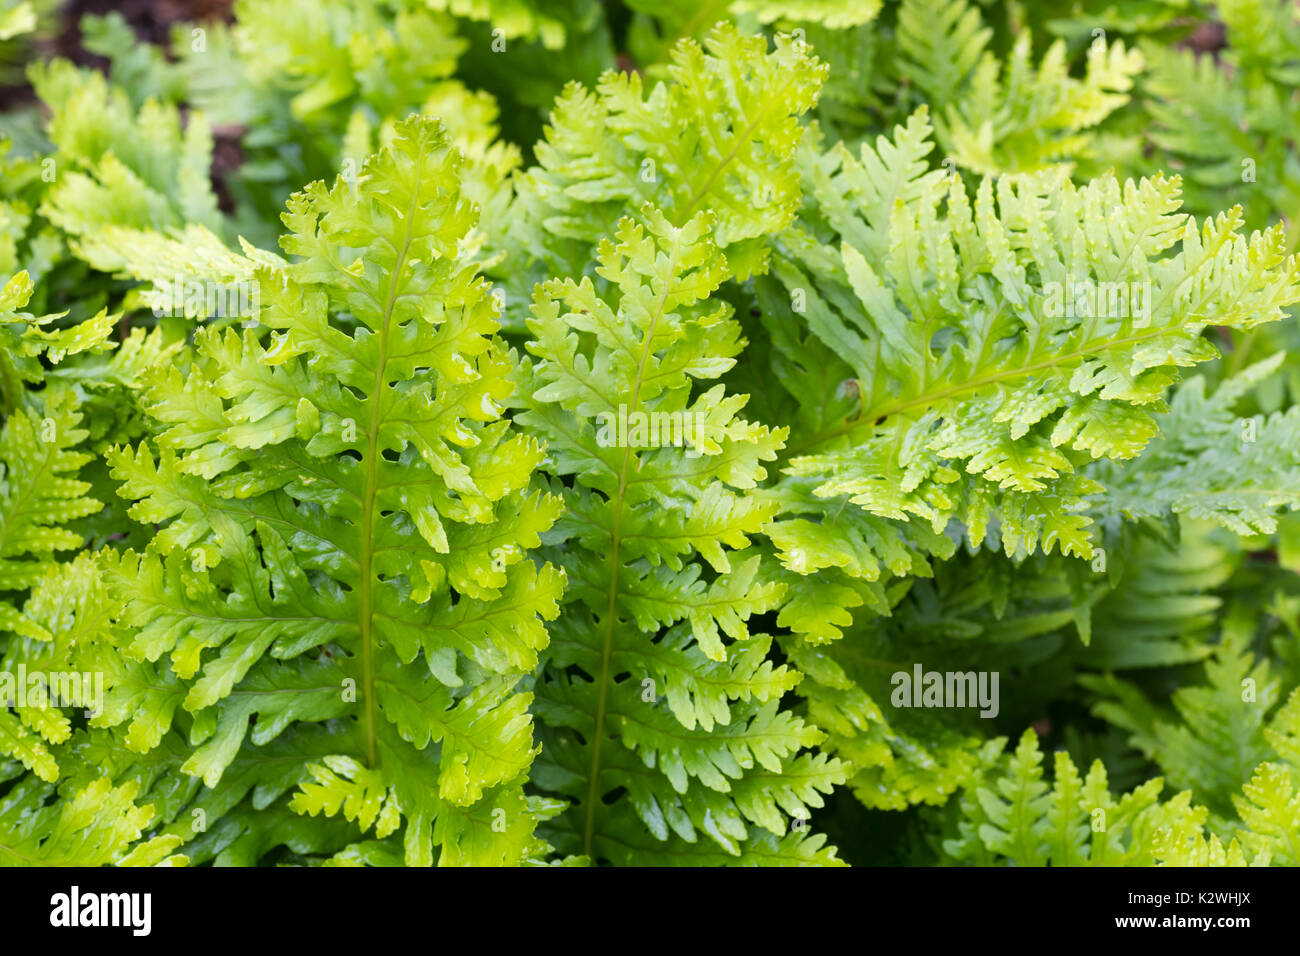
1240 352
615 543
10 387
367 598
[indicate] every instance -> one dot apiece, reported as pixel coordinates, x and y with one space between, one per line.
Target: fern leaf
94 827
977 400
1210 465
1019 819
365 461
719 134
1269 806
661 584
1009 118
122 167
40 493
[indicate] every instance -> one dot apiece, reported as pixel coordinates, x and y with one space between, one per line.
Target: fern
1240 473
548 21
1227 122
971 405
718 135
1221 729
1015 395
120 166
1230 125
656 27
314 102
41 494
358 451
1008 117
1019 819
97 825
1014 817
663 717
633 393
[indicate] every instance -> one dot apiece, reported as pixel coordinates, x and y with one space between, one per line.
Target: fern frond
719 135
660 709
142 70
315 101
1269 806
546 21
40 494
1015 117
1229 124
94 827
1240 473
1216 734
657 27
1017 818
1020 819
365 461
978 399
53 671
119 166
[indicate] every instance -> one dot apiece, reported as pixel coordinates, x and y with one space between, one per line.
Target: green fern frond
1011 117
339 52
978 398
1217 733
40 494
1017 818
142 70
1229 121
719 134
1269 806
1020 819
118 166
546 21
975 409
1240 473
367 464
660 708
657 27
315 101
96 826
53 671
44 603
